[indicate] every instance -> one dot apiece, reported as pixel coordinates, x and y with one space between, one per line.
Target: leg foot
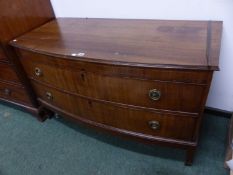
189 156
45 114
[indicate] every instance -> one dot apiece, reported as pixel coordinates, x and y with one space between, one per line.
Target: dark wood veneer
14 92
142 43
7 73
100 72
21 16
176 127
16 18
120 104
33 59
137 136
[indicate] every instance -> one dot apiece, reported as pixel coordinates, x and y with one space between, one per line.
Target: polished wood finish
16 18
108 85
214 43
14 92
147 43
123 117
7 73
21 16
146 79
48 62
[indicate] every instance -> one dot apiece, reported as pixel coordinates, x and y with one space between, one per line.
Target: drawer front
13 93
30 60
2 55
170 96
129 119
7 73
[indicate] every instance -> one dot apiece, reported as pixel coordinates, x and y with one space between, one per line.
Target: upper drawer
32 59
7 73
2 55
162 95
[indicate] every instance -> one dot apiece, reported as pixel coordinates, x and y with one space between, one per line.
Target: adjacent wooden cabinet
16 18
145 79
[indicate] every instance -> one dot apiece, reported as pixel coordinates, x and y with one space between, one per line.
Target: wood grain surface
152 43
101 71
16 18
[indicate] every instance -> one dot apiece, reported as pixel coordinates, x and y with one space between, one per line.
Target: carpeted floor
57 147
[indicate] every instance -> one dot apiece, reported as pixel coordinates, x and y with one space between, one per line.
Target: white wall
221 92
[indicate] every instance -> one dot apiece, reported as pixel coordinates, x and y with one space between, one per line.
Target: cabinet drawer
129 119
13 93
173 96
2 55
7 73
30 60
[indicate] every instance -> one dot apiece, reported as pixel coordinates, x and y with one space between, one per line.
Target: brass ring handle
49 95
154 94
154 125
7 91
38 72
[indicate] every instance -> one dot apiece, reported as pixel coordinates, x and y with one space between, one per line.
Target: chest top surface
152 43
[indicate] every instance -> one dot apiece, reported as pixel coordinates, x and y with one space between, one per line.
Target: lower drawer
7 73
120 117
14 93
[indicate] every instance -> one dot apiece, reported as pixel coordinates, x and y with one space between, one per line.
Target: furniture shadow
128 144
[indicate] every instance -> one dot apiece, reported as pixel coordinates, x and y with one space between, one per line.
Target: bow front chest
147 79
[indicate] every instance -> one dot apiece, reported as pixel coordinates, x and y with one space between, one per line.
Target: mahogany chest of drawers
147 79
16 18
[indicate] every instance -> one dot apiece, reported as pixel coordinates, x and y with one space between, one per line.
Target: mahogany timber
21 16
174 75
16 18
172 126
108 86
100 72
14 92
7 73
147 43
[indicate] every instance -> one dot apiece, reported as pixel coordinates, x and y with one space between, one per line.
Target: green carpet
58 147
